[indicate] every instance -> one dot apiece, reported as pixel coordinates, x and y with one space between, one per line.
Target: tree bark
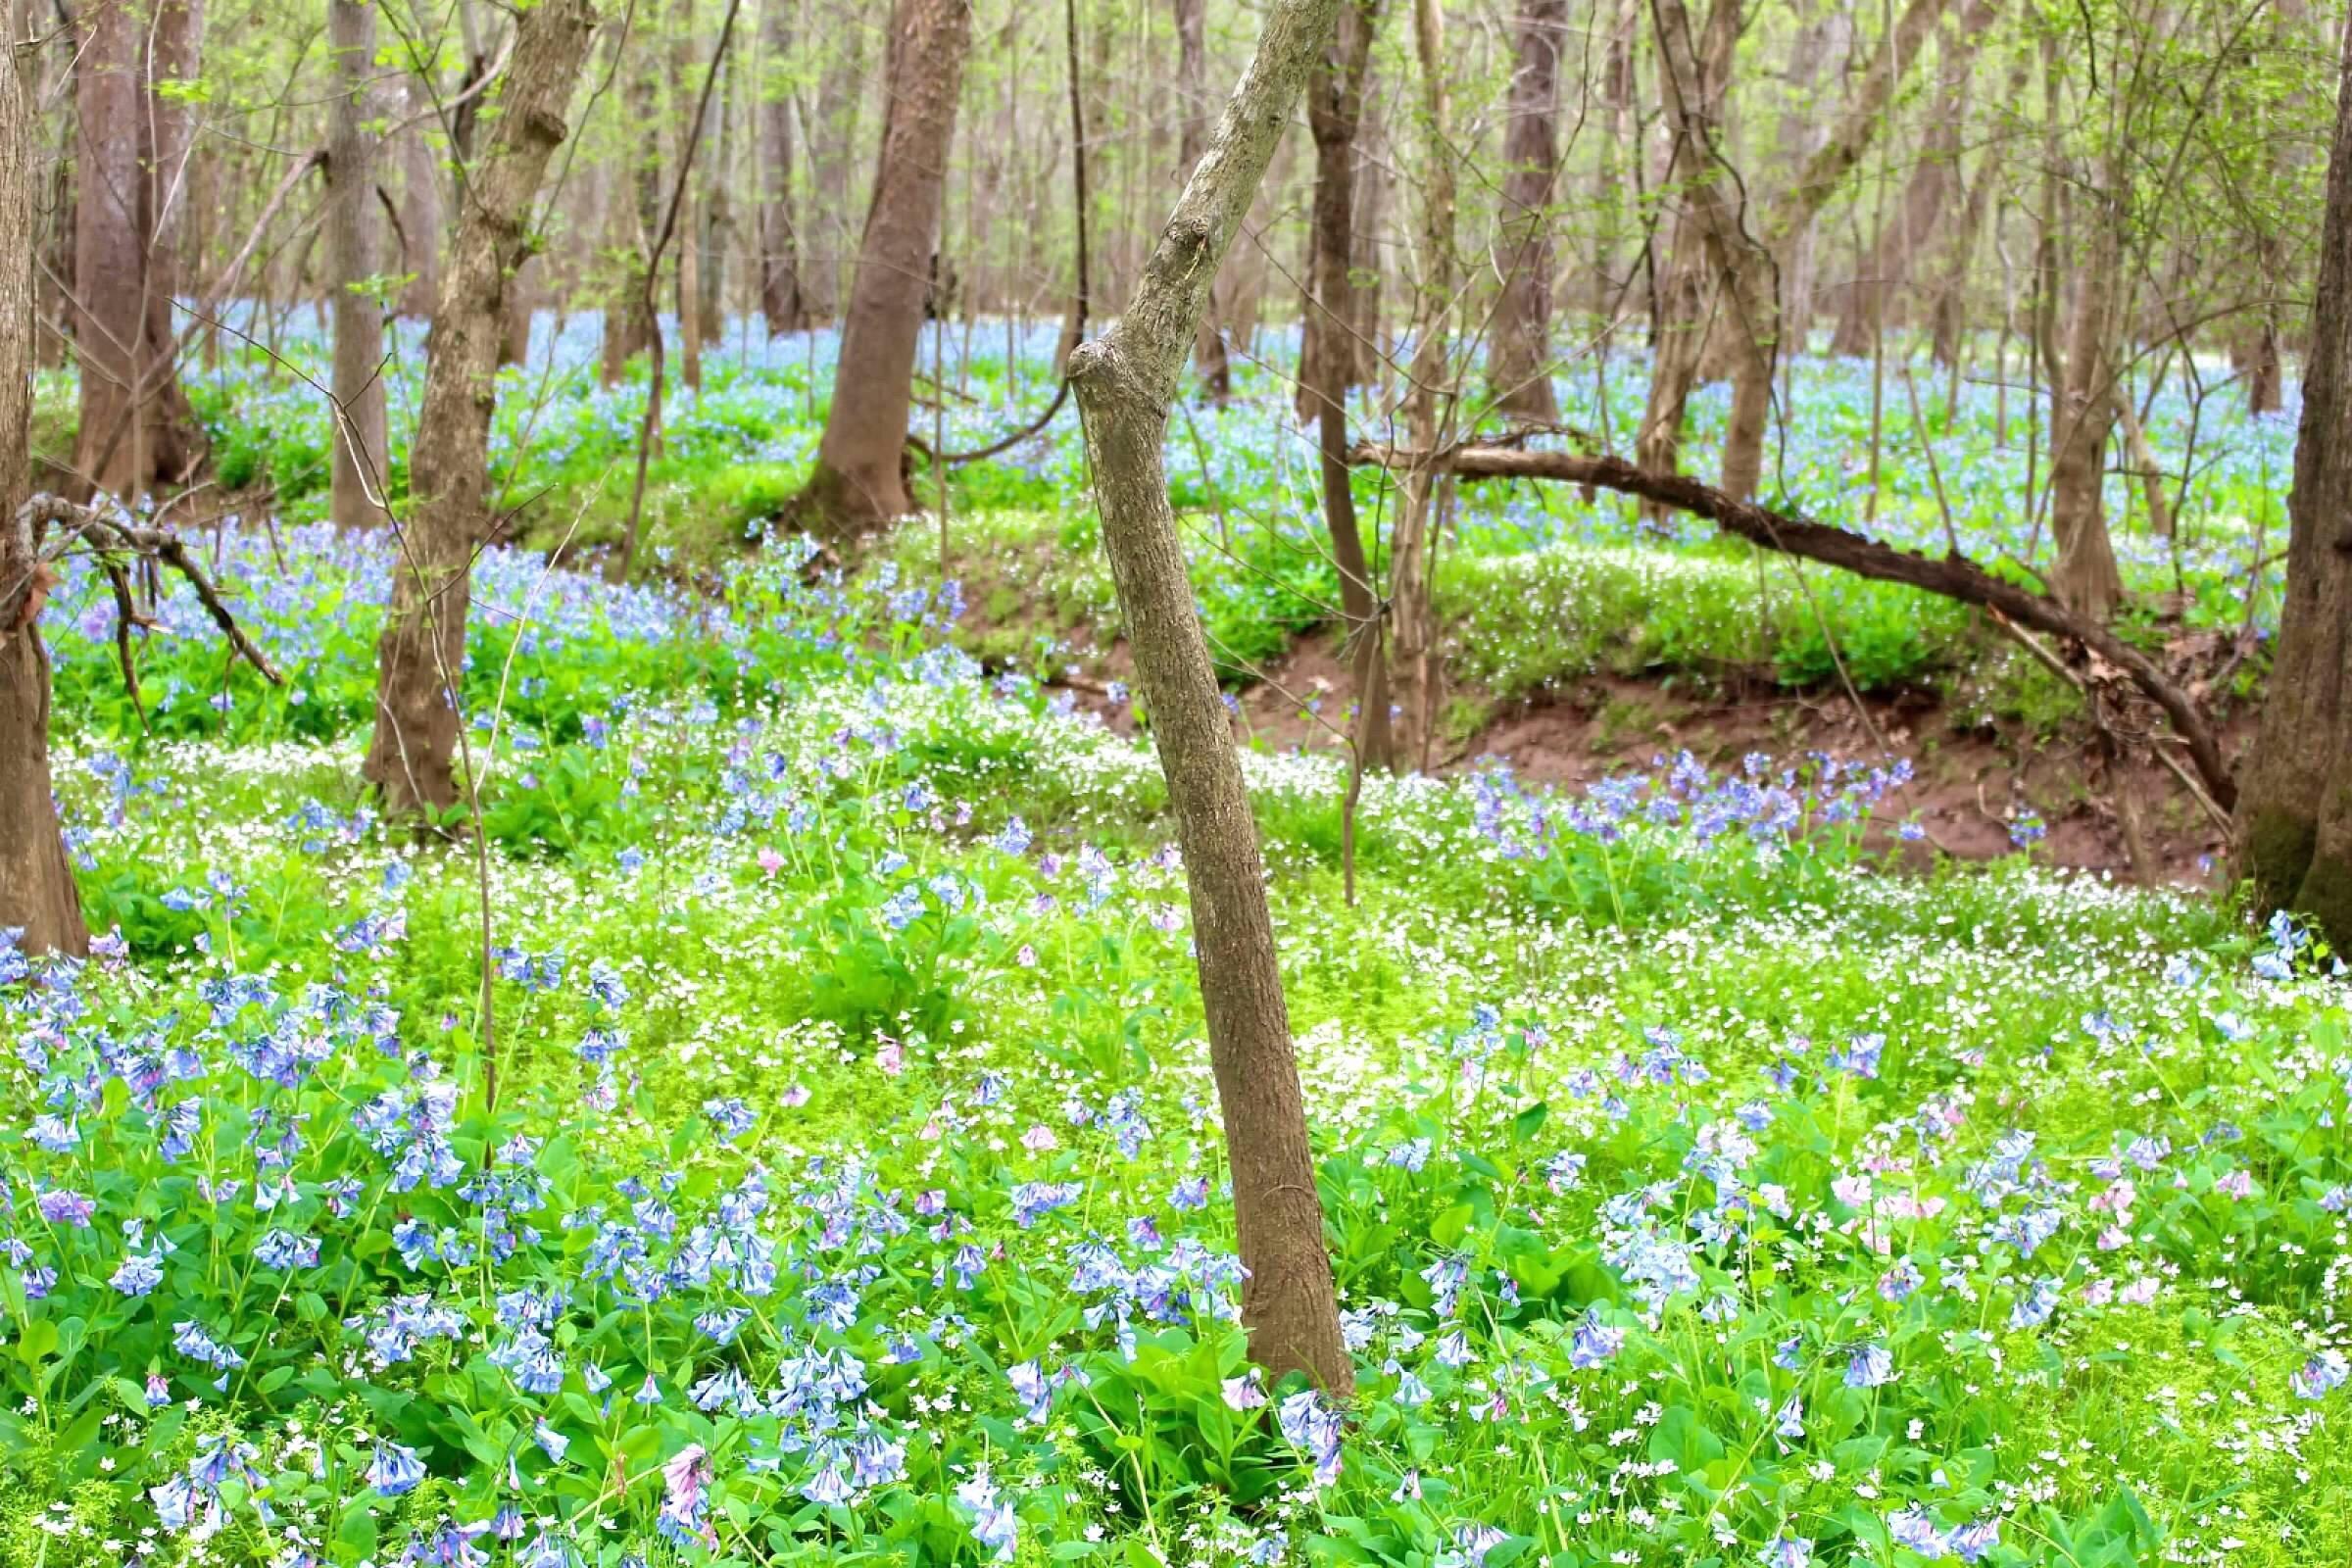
2083 387
2294 816
1192 86
1519 361
421 652
859 483
1125 381
630 322
356 486
38 896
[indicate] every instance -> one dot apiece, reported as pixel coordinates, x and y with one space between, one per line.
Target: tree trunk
1192 86
1335 108
1745 266
1950 313
690 231
630 322
859 481
780 299
1927 195
824 281
411 756
359 469
2295 814
1335 113
1692 88
1125 382
1823 43
1519 362
2085 577
420 213
2083 387
131 160
38 896
717 235
1429 409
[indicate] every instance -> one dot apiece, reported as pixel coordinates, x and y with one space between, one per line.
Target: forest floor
772 1123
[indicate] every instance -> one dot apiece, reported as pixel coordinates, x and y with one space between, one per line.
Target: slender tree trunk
2085 578
1335 115
1927 195
1335 110
689 236
1950 313
1429 410
1692 89
2294 811
825 283
38 896
109 261
859 483
1519 360
717 237
1745 266
420 213
1192 86
779 240
412 757
1125 382
1824 40
359 468
167 129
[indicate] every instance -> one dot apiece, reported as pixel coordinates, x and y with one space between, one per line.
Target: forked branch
109 540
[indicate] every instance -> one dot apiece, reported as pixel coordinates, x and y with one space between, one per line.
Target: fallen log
1952 575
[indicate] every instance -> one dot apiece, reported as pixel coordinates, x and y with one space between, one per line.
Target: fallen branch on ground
1953 575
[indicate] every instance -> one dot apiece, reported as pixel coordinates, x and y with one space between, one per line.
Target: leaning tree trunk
2295 812
1126 381
1519 362
38 896
411 759
1192 67
356 482
859 483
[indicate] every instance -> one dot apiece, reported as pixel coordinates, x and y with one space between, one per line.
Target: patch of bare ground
1970 782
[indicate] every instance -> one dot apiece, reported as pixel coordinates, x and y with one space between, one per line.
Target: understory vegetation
830 1166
